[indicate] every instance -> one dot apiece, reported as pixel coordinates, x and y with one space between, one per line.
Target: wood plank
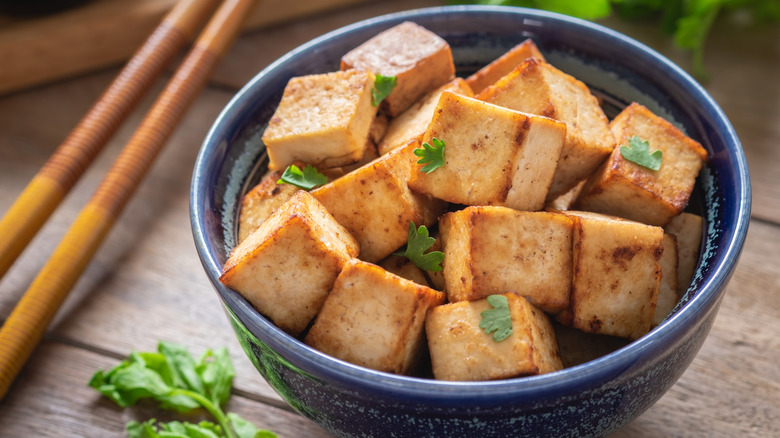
731 388
85 38
51 399
146 282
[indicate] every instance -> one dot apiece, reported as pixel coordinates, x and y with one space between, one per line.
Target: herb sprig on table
174 379
687 21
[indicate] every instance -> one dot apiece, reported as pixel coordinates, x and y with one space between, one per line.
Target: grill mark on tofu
624 254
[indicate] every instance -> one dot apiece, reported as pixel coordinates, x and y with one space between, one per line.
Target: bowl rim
590 374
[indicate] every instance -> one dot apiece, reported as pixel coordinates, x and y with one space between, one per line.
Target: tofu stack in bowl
496 235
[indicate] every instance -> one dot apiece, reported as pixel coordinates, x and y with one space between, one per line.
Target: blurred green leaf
689 22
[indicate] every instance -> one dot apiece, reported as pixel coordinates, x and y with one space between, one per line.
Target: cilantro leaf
175 380
245 429
182 366
585 9
638 151
497 319
217 372
307 179
588 9
383 86
692 30
173 429
433 155
417 244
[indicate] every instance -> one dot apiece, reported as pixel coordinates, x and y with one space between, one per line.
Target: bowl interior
616 68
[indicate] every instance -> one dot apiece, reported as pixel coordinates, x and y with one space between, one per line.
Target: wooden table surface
146 283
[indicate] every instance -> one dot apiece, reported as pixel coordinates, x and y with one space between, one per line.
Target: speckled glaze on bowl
591 399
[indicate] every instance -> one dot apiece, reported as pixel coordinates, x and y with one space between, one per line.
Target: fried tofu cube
616 275
323 120
258 203
404 268
461 350
286 267
369 155
412 123
375 204
419 59
267 195
502 66
374 319
536 87
623 188
566 200
492 155
667 289
687 228
492 250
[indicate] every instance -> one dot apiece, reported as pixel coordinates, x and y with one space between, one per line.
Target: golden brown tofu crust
411 124
687 229
323 120
616 275
375 204
485 148
667 289
418 58
490 250
536 87
261 201
374 318
503 65
623 188
404 268
462 351
287 266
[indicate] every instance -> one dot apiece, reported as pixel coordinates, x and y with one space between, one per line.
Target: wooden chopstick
63 169
27 323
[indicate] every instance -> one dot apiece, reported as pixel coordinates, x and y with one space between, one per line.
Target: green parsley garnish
497 319
174 379
417 244
383 86
307 179
433 155
638 151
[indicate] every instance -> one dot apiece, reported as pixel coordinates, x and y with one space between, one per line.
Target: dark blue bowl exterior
587 400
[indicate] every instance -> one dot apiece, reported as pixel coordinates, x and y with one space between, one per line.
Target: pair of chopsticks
28 321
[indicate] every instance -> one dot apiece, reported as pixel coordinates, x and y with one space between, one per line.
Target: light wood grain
152 244
39 50
147 284
57 402
732 388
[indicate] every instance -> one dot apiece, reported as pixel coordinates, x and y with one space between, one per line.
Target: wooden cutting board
102 33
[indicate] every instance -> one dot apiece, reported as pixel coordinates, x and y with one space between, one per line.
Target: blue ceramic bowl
591 399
